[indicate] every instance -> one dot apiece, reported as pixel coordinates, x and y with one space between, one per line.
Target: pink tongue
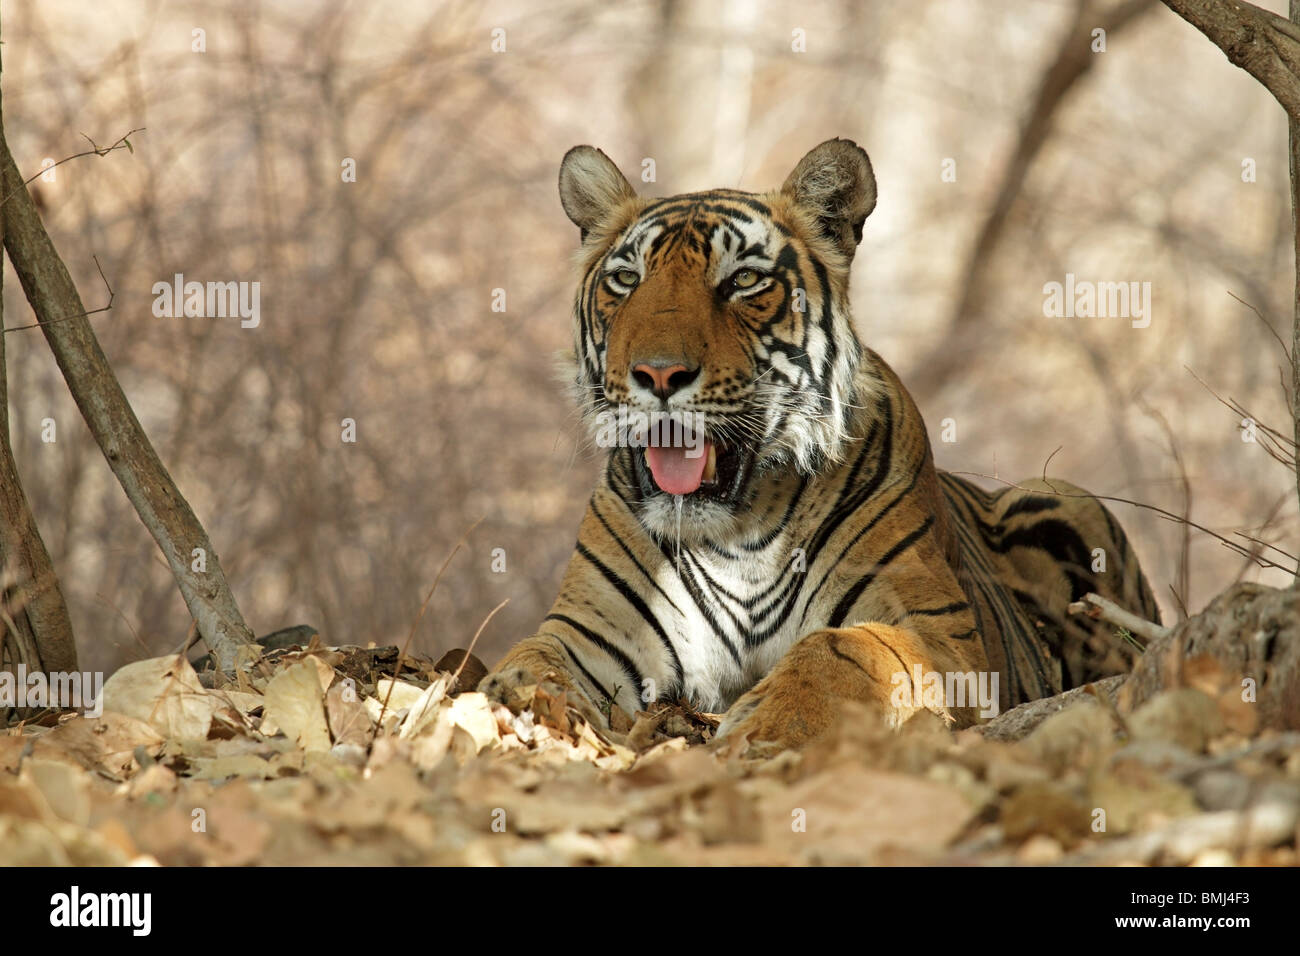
677 471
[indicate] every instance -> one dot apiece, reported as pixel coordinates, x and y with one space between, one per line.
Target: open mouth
703 469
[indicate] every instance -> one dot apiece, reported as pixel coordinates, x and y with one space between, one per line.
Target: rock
1018 722
1138 797
1184 717
1222 790
1184 840
472 670
1252 633
1167 758
299 635
1039 850
1044 809
1284 793
1073 737
1213 858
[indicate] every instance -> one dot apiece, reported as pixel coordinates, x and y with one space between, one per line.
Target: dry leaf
293 701
473 713
349 723
425 708
403 696
165 693
852 814
64 787
106 743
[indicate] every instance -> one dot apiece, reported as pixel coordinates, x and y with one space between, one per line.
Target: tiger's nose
662 378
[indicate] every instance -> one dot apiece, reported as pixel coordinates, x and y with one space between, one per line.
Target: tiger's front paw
748 725
802 696
509 686
521 688
517 687
777 713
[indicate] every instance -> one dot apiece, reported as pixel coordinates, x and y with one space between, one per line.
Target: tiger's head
721 320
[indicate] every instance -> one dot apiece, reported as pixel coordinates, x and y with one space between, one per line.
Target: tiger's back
1029 550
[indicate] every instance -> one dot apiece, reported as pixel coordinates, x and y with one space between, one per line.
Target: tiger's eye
626 277
745 279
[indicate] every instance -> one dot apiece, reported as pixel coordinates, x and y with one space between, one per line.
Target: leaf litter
322 755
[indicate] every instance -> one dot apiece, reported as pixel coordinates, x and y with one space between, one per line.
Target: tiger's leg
876 664
543 660
601 644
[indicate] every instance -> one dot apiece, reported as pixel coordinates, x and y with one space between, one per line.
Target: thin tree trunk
35 616
1293 126
99 396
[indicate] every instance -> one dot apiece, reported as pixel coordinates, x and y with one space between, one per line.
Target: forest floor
297 760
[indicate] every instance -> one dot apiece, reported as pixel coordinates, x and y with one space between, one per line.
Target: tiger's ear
835 183
591 187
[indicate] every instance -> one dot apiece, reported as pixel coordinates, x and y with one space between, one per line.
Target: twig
192 637
1182 605
1099 608
80 315
1182 586
1264 526
401 655
123 142
1267 324
1273 441
469 650
1260 560
1048 460
103 404
129 626
9 608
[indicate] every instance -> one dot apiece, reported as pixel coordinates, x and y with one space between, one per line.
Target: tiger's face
712 331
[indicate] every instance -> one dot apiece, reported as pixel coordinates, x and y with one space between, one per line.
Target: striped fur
845 557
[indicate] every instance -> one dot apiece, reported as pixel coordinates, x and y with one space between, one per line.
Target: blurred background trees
1153 161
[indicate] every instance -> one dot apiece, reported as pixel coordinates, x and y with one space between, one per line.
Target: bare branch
80 315
162 508
1098 608
1183 580
1260 560
1278 446
473 641
1263 44
401 655
1267 324
123 142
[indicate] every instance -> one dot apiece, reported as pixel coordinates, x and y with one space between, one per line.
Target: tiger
786 545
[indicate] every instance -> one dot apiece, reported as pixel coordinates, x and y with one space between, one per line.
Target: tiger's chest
732 606
730 620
